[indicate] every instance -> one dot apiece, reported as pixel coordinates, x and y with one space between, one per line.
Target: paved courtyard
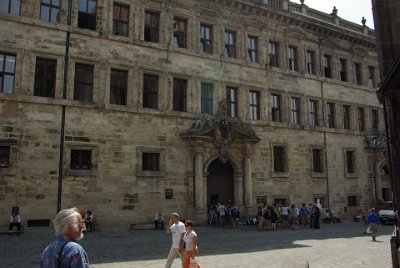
334 245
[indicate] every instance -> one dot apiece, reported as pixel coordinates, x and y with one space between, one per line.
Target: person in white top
15 220
190 239
177 228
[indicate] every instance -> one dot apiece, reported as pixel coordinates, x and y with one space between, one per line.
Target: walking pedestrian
65 252
177 228
373 224
15 220
190 239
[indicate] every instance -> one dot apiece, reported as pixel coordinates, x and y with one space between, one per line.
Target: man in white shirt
177 228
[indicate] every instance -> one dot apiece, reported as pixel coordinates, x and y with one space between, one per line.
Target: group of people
268 217
224 215
69 228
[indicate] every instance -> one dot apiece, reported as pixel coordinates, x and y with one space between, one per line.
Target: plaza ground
334 245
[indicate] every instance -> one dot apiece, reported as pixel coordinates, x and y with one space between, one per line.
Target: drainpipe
324 124
65 83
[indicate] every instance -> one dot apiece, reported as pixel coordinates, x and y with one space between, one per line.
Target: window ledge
351 175
279 174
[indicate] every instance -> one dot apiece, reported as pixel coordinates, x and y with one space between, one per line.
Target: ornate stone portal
220 132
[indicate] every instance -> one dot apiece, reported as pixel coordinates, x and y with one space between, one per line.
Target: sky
351 10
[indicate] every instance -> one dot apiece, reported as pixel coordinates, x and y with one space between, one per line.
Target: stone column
238 185
198 180
248 187
378 183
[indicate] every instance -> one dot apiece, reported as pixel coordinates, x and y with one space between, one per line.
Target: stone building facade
129 107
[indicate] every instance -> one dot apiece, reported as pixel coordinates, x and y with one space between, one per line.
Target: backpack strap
59 255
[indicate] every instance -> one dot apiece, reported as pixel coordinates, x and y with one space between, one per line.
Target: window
252 48
150 91
374 120
276 107
231 95
357 73
292 58
118 87
120 20
45 78
4 156
230 45
310 62
7 73
207 98
273 53
313 112
317 160
87 14
205 38
151 161
350 167
10 6
327 66
254 105
179 39
361 119
346 116
343 69
352 201
83 89
151 27
81 159
371 76
279 158
179 95
50 10
330 113
295 110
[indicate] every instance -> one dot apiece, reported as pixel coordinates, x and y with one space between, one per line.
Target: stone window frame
153 36
293 58
89 16
206 43
323 173
230 49
361 116
94 148
273 58
254 105
42 91
50 7
358 73
285 173
346 116
120 87
180 34
331 114
146 93
139 164
14 148
327 65
5 71
232 102
118 22
355 168
314 114
343 69
323 199
10 9
298 111
252 51
180 95
311 62
6 162
88 67
357 199
205 102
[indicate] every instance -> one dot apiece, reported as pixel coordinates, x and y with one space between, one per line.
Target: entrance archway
220 185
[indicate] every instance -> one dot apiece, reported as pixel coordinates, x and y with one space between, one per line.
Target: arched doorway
220 186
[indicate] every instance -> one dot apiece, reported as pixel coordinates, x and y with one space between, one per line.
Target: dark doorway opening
220 187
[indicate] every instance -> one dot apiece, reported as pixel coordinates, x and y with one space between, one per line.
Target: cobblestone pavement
334 245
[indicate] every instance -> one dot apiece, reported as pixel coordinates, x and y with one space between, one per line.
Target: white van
387 213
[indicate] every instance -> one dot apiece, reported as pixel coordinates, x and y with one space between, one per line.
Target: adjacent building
131 107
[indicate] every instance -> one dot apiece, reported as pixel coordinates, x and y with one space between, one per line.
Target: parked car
387 213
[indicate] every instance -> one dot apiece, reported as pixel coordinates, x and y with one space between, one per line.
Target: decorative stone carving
376 140
222 129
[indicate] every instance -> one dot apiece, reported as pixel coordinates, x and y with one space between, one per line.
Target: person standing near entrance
177 228
373 224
